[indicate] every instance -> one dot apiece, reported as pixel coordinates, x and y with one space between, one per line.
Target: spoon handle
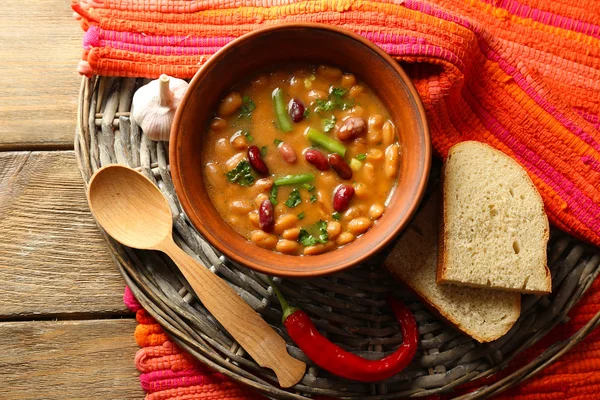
248 328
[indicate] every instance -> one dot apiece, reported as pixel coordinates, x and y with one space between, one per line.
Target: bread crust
441 258
441 277
444 308
452 321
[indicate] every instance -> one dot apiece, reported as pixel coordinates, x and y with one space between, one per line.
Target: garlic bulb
154 105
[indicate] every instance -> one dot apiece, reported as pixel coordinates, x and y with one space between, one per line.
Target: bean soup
301 160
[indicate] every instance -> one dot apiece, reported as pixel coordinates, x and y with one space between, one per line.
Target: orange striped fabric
169 373
522 76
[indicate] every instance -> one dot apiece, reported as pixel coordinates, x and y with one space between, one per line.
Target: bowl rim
238 256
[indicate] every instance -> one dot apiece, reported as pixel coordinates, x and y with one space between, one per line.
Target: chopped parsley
277 142
336 215
294 198
301 215
248 136
273 196
324 105
339 92
307 239
241 174
313 198
328 123
306 112
323 235
263 151
334 101
247 107
361 157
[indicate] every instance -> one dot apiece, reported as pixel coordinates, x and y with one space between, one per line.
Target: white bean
388 133
359 225
391 161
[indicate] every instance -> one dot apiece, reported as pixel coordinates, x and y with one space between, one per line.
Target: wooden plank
40 46
53 260
69 360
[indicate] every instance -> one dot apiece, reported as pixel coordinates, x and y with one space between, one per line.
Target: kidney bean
316 158
352 128
340 166
296 110
287 152
266 216
256 161
342 196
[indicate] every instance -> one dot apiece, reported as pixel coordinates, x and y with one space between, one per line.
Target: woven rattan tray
349 307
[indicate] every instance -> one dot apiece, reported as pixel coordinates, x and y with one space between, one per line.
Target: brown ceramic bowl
306 43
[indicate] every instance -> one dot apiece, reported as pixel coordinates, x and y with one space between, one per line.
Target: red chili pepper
339 362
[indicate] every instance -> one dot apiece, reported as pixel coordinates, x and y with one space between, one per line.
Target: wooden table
64 331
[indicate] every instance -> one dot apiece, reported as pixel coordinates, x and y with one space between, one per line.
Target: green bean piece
294 179
326 142
284 121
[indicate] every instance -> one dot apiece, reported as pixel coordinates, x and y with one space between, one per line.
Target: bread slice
483 314
495 230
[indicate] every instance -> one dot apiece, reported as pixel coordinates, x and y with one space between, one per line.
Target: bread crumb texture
495 229
483 314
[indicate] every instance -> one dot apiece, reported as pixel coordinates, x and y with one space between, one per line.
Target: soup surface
301 160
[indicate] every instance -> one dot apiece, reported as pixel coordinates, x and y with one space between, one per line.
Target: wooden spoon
134 212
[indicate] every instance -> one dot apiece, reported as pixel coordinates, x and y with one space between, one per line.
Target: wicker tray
349 307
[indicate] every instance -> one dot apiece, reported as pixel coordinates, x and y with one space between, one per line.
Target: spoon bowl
134 212
129 207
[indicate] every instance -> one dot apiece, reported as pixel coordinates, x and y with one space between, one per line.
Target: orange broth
308 224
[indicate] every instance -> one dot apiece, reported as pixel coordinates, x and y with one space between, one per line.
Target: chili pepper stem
285 307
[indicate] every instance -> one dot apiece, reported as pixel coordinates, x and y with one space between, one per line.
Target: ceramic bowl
312 43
